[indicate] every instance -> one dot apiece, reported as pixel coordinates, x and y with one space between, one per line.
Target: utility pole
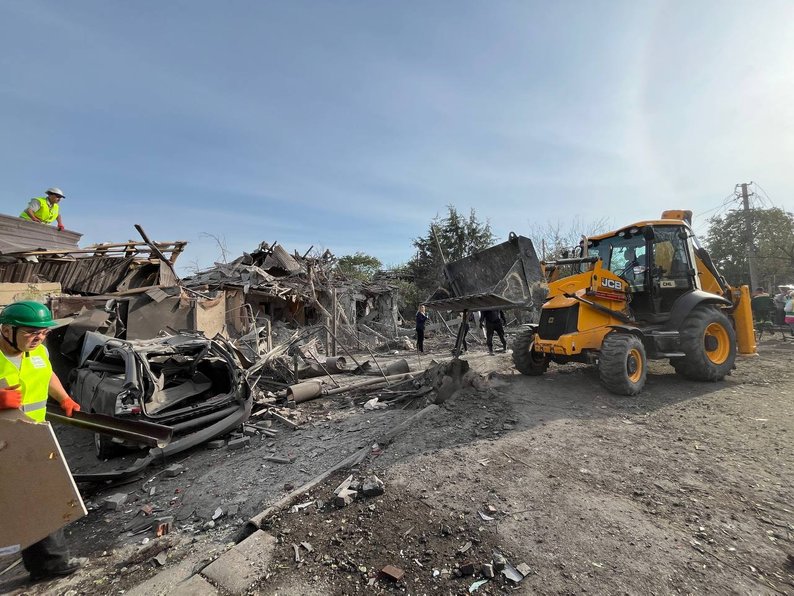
748 225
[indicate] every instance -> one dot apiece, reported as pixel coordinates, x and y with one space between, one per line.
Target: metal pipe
378 365
341 345
146 433
305 391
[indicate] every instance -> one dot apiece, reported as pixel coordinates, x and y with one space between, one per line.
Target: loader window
625 257
670 254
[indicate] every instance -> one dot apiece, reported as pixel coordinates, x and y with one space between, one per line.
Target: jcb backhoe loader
645 291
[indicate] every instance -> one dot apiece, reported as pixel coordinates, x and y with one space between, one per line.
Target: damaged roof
273 271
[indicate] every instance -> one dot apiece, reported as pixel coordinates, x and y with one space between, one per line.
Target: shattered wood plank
159 253
344 485
281 418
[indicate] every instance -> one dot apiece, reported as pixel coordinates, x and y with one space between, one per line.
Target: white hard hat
55 191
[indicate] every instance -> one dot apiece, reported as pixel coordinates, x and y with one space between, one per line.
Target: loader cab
657 262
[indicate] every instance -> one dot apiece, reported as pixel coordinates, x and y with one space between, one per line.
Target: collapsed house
144 344
272 289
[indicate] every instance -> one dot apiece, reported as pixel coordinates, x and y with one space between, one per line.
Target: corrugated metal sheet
20 235
94 275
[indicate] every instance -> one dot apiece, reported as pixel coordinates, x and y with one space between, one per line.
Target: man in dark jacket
421 319
494 320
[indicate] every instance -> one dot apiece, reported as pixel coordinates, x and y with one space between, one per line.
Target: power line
720 209
766 194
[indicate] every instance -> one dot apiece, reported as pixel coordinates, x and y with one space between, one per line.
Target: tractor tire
709 342
527 361
622 364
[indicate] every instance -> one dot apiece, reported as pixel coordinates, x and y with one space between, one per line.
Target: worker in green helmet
27 380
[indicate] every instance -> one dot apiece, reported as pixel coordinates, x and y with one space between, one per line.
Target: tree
458 237
552 239
358 266
773 234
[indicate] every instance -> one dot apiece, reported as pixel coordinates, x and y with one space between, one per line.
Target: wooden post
333 321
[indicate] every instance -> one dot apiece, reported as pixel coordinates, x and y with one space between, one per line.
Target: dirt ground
686 488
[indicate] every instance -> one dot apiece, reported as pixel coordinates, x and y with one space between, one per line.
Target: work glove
70 406
61 228
10 398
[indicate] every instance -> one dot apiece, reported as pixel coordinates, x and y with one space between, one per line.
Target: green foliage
459 237
410 298
358 266
773 232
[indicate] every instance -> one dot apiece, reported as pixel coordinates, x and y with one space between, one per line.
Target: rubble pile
270 286
346 537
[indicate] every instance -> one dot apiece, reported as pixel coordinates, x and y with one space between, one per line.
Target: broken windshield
623 255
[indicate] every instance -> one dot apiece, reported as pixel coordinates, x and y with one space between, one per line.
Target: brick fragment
239 443
393 573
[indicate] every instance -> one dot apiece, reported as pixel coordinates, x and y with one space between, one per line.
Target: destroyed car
187 382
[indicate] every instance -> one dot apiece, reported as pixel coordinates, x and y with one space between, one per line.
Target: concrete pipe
336 364
397 367
304 391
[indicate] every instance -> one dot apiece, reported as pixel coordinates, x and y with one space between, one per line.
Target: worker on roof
45 209
27 380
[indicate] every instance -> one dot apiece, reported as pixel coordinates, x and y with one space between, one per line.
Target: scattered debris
174 470
375 404
238 443
393 573
466 568
512 573
114 501
372 486
523 569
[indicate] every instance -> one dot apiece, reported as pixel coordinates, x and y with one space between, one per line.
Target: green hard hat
27 313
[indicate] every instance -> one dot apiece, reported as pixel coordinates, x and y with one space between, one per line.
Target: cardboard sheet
37 492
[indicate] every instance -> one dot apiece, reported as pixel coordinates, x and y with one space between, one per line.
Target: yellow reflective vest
46 213
33 378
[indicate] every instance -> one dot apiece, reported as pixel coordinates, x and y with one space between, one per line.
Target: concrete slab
195 586
242 565
172 579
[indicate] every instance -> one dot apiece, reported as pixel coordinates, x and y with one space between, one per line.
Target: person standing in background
494 320
421 319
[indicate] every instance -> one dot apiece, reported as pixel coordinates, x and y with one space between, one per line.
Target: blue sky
348 125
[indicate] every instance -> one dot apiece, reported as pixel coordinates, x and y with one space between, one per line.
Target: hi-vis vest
46 213
33 378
